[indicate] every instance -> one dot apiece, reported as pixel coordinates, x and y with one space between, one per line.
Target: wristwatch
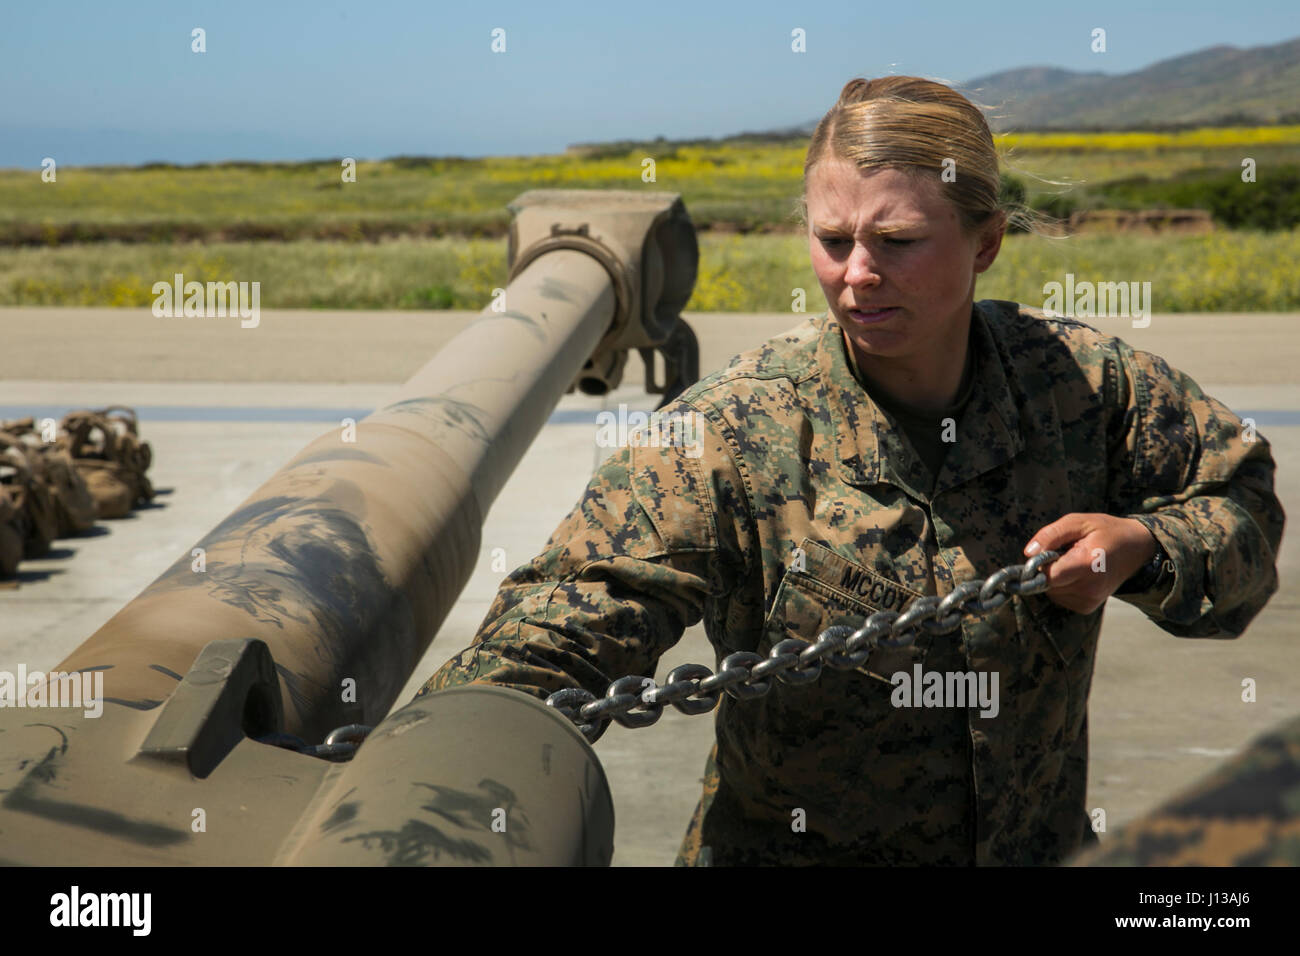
1148 576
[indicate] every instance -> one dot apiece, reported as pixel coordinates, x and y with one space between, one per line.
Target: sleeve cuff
1155 582
1175 598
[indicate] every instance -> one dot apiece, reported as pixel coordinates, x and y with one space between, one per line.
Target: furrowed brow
882 229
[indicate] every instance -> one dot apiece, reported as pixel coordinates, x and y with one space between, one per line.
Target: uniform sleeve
655 544
1201 481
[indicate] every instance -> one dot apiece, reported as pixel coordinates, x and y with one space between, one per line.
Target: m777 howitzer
319 594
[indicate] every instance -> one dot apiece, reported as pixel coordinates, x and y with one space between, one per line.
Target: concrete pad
310 346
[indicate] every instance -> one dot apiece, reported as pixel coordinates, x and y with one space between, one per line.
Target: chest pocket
821 589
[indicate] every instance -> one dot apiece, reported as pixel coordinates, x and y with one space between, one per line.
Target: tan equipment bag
107 451
51 466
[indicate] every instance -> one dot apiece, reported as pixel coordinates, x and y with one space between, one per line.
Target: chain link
339 746
694 689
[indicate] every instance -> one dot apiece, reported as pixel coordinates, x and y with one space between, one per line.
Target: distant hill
1220 85
1216 85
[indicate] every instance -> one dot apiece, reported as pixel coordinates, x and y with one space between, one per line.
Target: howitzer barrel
346 561
310 605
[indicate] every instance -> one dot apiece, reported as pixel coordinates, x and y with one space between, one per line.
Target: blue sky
115 81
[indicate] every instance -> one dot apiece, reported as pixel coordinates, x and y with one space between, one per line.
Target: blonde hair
905 122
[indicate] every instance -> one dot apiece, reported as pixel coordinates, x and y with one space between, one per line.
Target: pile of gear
55 482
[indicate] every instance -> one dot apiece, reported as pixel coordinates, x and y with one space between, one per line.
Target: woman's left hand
1106 552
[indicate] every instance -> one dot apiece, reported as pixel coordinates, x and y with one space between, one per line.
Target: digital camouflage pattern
808 507
1246 813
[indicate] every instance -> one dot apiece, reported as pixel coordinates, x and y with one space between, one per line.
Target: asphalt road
225 407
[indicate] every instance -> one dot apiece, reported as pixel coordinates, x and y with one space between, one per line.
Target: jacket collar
872 449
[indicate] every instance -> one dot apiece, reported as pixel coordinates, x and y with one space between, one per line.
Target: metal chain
635 701
340 744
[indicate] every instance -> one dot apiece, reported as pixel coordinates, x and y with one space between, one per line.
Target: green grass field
745 185
1222 271
427 232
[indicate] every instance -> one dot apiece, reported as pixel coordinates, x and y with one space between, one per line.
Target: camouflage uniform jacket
805 506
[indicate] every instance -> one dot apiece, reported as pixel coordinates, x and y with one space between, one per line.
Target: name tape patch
854 580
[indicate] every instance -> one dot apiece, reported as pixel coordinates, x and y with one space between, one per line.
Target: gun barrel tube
347 560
